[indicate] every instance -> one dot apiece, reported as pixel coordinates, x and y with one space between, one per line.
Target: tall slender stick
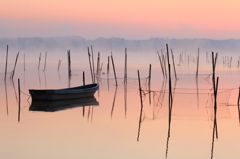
238 103
89 57
24 63
174 65
161 63
93 65
59 63
149 83
39 61
140 117
83 78
45 61
197 64
69 64
6 64
13 72
114 70
125 67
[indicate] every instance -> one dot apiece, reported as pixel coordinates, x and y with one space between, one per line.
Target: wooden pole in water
238 103
69 64
149 83
24 62
140 94
90 65
39 61
197 64
98 65
19 100
93 65
161 63
45 61
59 63
83 78
13 72
114 70
6 64
125 67
108 66
174 65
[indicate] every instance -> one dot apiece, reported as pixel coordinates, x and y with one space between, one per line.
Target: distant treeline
119 44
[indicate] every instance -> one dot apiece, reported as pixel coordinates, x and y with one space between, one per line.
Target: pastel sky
129 19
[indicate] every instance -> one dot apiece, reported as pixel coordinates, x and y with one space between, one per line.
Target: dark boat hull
64 94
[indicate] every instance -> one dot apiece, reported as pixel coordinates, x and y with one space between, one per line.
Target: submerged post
83 78
125 67
161 63
69 64
140 117
39 61
90 65
59 63
24 62
174 65
45 61
197 64
149 83
13 72
93 65
114 70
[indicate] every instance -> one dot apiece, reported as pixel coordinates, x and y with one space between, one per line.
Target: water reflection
52 106
114 98
6 94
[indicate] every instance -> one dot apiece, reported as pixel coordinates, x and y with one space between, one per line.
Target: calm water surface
112 128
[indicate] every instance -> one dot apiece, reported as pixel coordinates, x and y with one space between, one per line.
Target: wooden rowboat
64 94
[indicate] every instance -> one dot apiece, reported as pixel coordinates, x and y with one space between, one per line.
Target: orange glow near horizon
153 16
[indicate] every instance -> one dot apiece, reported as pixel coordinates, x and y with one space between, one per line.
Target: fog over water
77 43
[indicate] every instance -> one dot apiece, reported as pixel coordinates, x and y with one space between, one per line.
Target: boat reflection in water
51 106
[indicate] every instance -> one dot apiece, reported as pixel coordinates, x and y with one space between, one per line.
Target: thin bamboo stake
197 64
125 67
6 64
39 61
69 64
90 65
238 103
149 83
161 63
174 65
13 72
140 117
108 66
24 63
83 78
59 63
114 70
93 65
45 61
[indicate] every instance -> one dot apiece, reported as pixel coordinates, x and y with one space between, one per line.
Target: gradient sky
129 19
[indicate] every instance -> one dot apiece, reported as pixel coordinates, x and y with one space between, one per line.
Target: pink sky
134 19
